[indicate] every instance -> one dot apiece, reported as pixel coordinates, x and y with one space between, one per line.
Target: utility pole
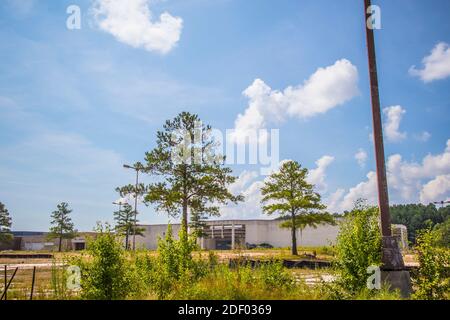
393 268
137 167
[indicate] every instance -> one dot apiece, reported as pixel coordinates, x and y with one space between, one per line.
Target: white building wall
260 231
257 232
152 234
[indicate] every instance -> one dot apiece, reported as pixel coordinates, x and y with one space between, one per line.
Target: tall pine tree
124 218
5 224
192 178
62 225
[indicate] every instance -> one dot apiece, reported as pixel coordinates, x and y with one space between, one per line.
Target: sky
78 103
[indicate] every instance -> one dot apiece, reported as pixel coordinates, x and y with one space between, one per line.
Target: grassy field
49 271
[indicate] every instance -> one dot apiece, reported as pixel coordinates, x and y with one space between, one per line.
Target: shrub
174 264
275 275
358 246
105 275
431 279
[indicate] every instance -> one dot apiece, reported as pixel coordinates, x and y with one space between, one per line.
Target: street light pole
135 208
441 202
119 203
393 268
136 167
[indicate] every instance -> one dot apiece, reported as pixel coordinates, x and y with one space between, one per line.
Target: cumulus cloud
361 157
436 65
394 116
408 182
341 201
317 176
325 89
437 189
131 22
249 184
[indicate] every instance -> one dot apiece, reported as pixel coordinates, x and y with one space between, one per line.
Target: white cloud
317 176
361 157
249 184
394 115
341 201
325 89
250 188
423 136
407 182
131 22
436 65
437 189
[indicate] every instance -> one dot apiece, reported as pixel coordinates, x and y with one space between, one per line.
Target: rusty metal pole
32 282
6 280
383 198
9 283
393 268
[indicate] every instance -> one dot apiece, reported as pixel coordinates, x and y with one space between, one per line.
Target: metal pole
135 208
6 280
383 199
32 282
9 283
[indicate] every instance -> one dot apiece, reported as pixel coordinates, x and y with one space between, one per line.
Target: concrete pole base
393 271
398 279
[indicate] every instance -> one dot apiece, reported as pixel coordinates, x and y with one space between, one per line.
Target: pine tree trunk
126 240
60 243
185 216
294 237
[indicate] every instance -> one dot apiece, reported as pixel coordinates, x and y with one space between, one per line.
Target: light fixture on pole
137 167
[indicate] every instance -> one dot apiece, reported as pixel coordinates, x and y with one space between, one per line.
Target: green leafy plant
174 264
431 279
105 274
358 246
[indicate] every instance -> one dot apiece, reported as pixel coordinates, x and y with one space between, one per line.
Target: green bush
275 275
443 233
174 264
358 246
105 274
431 279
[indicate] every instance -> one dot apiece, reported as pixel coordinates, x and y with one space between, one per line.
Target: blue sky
77 104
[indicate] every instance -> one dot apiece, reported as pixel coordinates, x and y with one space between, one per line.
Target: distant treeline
418 216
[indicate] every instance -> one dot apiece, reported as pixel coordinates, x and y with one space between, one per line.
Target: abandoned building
37 241
218 235
231 234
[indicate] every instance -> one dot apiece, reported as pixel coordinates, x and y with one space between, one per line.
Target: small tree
358 246
63 227
5 224
442 231
192 177
106 275
431 279
288 193
125 224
